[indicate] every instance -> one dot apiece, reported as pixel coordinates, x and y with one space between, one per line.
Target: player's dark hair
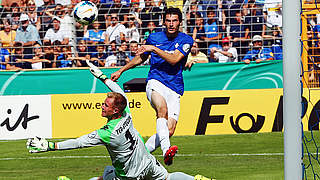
175 11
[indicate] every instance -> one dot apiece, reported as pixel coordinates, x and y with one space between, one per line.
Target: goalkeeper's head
114 105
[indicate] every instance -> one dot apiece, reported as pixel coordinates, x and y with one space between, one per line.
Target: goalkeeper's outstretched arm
96 72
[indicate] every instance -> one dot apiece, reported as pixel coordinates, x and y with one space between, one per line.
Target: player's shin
153 143
163 133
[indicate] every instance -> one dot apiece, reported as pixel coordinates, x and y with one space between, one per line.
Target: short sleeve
185 45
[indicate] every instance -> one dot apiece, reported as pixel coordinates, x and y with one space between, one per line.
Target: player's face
107 108
172 23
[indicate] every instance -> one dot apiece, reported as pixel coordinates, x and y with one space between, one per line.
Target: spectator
67 23
199 33
112 59
258 52
56 33
4 59
82 54
115 32
27 34
120 10
229 10
135 11
99 58
150 13
48 54
64 60
254 20
38 59
56 52
273 12
44 18
8 3
276 43
7 36
94 36
17 55
133 49
195 56
103 8
226 54
213 30
33 14
191 17
150 29
36 62
12 16
122 56
239 34
132 32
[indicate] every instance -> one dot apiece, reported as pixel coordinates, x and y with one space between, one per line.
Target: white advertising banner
27 116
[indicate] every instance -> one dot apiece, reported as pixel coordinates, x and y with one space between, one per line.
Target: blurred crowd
37 34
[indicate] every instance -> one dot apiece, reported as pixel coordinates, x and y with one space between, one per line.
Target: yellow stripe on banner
201 112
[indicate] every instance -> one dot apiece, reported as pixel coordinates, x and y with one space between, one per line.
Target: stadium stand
236 20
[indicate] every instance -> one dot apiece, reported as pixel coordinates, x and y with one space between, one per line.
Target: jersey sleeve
88 140
114 87
185 45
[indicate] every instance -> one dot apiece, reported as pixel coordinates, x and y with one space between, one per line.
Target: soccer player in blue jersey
169 51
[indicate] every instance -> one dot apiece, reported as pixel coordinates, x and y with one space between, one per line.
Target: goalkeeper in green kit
130 158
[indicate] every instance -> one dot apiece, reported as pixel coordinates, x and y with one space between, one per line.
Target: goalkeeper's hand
37 144
96 71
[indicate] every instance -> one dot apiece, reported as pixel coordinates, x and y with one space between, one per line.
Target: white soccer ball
85 12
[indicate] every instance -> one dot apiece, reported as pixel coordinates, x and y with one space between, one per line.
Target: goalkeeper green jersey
126 148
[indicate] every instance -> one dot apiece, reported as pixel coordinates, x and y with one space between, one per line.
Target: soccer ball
85 12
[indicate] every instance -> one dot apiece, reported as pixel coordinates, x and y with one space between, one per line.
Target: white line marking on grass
179 155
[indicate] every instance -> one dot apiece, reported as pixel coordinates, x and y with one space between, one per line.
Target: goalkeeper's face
108 109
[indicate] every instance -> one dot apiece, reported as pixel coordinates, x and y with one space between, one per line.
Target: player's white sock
153 143
179 176
163 133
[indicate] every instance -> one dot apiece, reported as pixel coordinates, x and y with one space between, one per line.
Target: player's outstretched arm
133 63
96 72
37 145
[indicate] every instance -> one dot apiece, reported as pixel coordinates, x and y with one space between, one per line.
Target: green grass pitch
224 157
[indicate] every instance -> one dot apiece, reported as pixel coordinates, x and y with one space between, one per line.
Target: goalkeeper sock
163 133
153 143
179 176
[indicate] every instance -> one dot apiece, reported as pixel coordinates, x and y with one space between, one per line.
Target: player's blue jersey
161 70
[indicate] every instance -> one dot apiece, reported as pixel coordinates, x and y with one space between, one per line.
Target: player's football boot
200 177
171 152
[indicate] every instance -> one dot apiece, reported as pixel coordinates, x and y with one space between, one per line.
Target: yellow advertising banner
201 112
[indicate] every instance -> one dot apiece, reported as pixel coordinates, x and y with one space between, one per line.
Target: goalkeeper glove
37 144
96 71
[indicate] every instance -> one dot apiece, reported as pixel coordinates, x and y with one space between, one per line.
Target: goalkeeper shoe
37 144
171 152
96 72
200 177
